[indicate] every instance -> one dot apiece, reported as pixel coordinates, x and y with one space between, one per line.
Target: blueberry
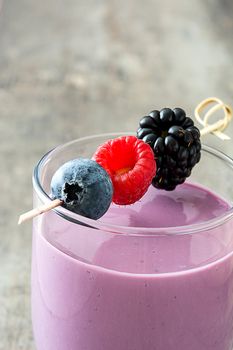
84 187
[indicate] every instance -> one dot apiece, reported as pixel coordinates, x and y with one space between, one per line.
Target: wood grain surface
75 68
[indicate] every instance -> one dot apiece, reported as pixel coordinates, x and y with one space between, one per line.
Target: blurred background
75 68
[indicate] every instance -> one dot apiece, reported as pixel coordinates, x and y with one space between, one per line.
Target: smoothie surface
188 204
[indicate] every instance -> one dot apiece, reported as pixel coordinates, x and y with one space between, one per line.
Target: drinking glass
103 286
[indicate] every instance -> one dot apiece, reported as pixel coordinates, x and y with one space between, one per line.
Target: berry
166 115
175 142
130 164
84 187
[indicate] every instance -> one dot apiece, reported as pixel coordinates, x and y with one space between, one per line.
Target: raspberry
176 145
131 166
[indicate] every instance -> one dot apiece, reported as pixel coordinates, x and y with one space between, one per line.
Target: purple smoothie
96 290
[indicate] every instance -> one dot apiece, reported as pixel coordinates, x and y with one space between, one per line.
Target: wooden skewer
215 128
39 210
221 124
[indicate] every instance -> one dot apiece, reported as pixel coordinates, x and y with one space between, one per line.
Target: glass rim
127 230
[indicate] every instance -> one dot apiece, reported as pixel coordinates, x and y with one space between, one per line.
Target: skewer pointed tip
39 210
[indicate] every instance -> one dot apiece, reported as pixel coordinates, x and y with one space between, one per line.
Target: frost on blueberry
84 187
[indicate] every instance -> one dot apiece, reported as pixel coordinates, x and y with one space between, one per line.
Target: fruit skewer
168 138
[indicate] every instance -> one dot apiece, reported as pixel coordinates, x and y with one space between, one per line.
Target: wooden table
85 67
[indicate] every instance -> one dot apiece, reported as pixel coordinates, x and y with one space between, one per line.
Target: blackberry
176 145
